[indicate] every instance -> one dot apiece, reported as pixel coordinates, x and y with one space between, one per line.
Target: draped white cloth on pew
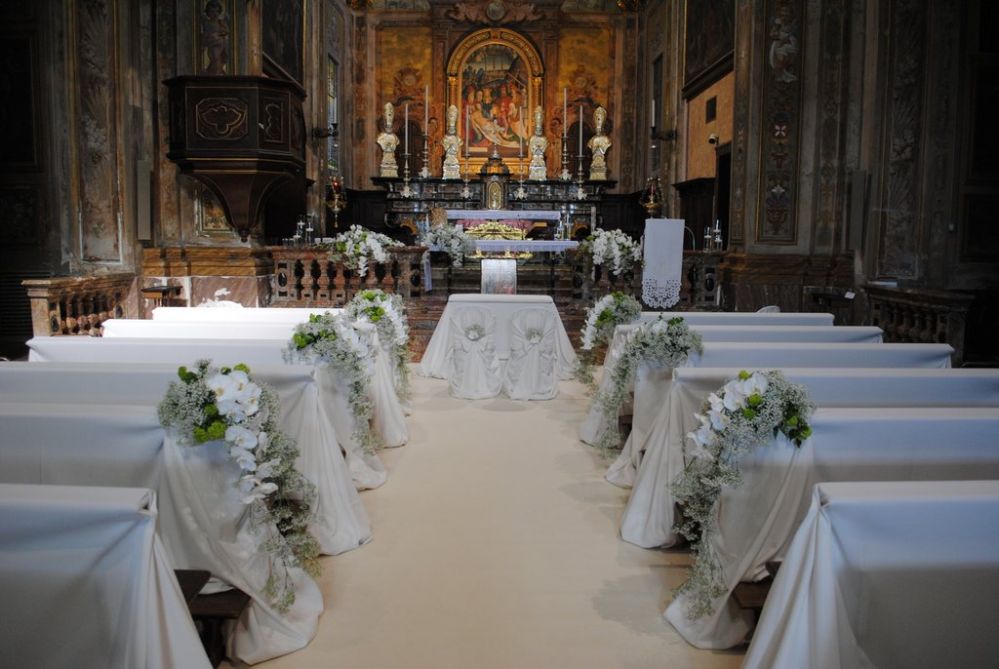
203 524
648 517
249 315
389 416
530 374
595 423
340 522
652 384
758 519
863 585
435 361
366 469
474 371
86 582
742 317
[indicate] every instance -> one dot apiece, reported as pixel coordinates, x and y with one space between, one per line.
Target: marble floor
495 547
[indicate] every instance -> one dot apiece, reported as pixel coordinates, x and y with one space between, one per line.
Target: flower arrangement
331 339
601 319
357 244
225 404
745 414
388 315
612 247
661 343
451 239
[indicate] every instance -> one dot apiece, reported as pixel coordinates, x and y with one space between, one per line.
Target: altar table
340 522
503 307
758 519
887 574
202 521
648 517
86 582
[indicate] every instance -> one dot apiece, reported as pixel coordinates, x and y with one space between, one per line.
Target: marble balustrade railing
79 305
919 315
700 277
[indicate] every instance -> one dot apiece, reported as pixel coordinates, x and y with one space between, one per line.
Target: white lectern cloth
648 516
663 255
758 519
865 585
595 423
86 582
340 522
203 524
247 315
366 470
436 358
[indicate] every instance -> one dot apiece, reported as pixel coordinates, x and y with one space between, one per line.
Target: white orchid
241 437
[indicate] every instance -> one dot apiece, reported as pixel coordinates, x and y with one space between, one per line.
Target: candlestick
652 118
565 111
468 138
581 133
426 109
405 145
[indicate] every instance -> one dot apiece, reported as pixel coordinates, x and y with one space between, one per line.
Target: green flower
748 413
242 368
754 400
216 430
743 375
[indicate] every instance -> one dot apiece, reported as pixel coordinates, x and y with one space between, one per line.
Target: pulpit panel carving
221 119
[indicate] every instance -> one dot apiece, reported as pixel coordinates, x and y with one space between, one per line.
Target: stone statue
537 146
388 141
598 145
452 145
215 38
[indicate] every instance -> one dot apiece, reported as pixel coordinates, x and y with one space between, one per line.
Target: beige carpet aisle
495 546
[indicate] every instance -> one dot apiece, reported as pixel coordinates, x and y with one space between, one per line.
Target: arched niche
495 77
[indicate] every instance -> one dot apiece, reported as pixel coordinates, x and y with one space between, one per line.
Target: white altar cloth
503 214
366 469
340 522
862 586
648 516
595 423
86 582
503 307
758 520
232 315
202 522
523 245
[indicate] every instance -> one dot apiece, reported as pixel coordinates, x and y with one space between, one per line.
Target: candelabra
565 176
520 193
580 192
425 172
466 192
335 199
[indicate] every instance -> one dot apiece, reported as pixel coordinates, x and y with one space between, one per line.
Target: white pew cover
758 519
202 522
122 327
247 315
865 585
503 307
340 522
86 582
648 516
742 317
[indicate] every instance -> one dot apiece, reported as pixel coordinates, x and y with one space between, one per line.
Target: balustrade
920 316
79 305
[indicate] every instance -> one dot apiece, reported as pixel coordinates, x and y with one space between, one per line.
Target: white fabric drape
203 524
742 317
254 315
530 374
757 520
474 370
86 582
663 255
862 586
340 522
389 415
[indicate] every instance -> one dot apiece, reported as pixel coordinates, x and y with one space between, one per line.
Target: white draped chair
530 373
474 367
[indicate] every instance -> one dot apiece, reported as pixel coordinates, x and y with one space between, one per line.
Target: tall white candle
468 138
652 118
565 111
580 130
405 145
426 110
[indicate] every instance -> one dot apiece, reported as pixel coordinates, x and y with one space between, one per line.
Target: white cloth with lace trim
663 257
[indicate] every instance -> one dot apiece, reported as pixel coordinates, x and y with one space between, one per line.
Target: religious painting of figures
282 22
495 106
708 44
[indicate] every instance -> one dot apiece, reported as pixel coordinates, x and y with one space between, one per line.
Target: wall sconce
325 133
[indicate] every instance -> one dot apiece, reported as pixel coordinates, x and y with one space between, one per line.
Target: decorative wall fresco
282 22
403 57
495 87
781 121
710 36
585 73
215 37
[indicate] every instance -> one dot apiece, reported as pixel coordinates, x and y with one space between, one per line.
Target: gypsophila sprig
601 319
612 248
225 404
658 343
355 246
388 314
331 340
451 239
747 413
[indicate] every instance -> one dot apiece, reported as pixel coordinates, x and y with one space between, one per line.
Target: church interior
412 164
